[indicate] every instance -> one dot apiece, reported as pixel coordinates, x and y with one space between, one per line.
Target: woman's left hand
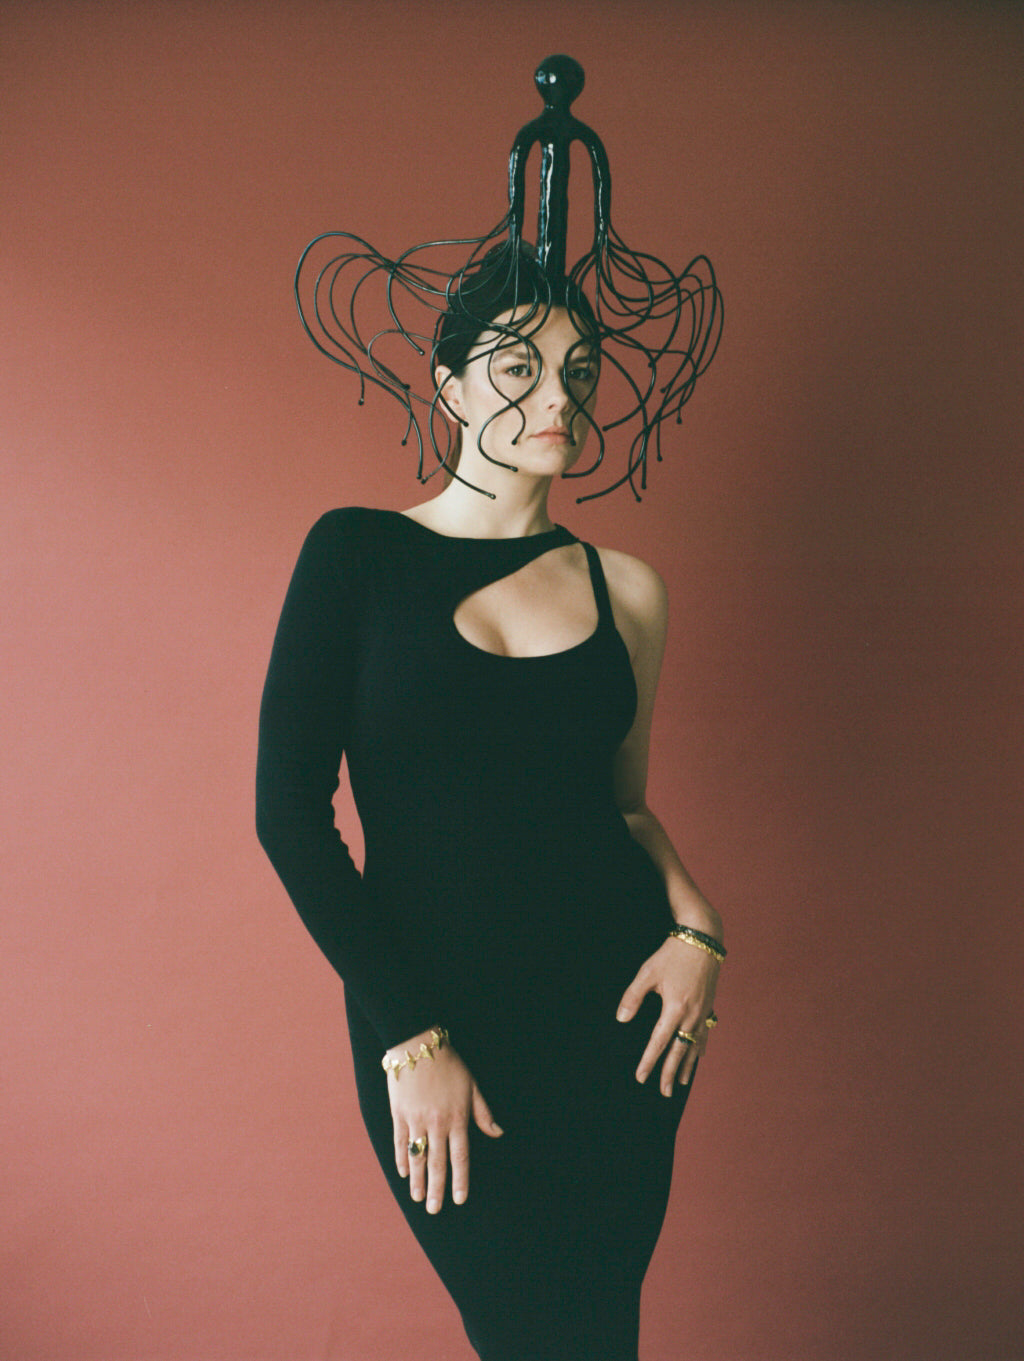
685 979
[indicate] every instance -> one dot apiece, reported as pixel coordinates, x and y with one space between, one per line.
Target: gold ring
686 1037
417 1147
711 1020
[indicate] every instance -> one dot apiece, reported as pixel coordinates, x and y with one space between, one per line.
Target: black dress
502 897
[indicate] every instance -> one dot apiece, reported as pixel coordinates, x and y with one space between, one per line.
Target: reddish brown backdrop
838 750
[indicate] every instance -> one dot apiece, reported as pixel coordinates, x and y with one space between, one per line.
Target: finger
675 1058
417 1171
680 1057
662 1036
458 1150
437 1170
483 1117
688 1064
401 1149
631 998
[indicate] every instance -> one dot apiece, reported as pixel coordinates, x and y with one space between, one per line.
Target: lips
555 432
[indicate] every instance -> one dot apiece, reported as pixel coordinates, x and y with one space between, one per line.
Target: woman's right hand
435 1099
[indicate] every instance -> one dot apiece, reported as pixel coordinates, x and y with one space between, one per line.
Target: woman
507 953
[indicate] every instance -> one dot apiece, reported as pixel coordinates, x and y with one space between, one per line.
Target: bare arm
684 977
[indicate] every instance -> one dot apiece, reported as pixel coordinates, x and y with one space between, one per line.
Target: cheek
501 402
583 412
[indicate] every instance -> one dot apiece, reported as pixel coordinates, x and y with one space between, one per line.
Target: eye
518 370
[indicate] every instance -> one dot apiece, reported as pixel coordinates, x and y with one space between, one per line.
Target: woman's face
549 374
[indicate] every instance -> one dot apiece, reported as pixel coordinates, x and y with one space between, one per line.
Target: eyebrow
589 353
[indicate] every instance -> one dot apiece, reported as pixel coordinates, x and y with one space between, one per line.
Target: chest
546 607
489 674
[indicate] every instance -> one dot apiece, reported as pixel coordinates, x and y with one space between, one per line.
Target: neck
519 509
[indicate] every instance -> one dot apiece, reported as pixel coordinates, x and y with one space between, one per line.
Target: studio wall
838 745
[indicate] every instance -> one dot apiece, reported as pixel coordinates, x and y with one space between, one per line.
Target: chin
552 461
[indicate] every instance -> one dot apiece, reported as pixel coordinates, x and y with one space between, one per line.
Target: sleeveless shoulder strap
604 604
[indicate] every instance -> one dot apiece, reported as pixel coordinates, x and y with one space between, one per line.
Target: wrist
710 945
700 916
424 1037
426 1045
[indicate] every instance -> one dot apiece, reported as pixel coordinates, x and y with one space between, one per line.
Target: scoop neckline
505 657
482 538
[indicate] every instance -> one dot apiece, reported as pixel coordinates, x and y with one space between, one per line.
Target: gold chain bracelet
689 937
438 1037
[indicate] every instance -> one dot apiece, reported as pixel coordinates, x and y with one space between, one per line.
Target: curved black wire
658 330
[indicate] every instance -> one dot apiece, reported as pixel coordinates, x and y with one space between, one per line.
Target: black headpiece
657 329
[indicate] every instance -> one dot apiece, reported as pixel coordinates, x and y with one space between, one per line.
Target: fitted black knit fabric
502 897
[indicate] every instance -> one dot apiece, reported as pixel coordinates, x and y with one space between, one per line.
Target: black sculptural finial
656 330
559 81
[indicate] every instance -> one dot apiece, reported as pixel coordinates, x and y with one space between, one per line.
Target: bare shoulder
639 598
633 584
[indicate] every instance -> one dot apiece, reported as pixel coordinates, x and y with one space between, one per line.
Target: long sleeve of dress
303 729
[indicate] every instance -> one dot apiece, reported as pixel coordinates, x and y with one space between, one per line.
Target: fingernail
432 1207
497 1128
459 1197
621 1014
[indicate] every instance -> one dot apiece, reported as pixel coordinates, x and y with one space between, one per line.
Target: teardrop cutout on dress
527 614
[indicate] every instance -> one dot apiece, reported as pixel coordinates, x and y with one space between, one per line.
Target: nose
553 393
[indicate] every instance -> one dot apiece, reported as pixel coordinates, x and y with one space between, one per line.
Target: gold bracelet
438 1037
684 934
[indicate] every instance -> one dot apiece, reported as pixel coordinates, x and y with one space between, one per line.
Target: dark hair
506 280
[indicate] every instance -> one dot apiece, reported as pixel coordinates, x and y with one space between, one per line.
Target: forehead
552 332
